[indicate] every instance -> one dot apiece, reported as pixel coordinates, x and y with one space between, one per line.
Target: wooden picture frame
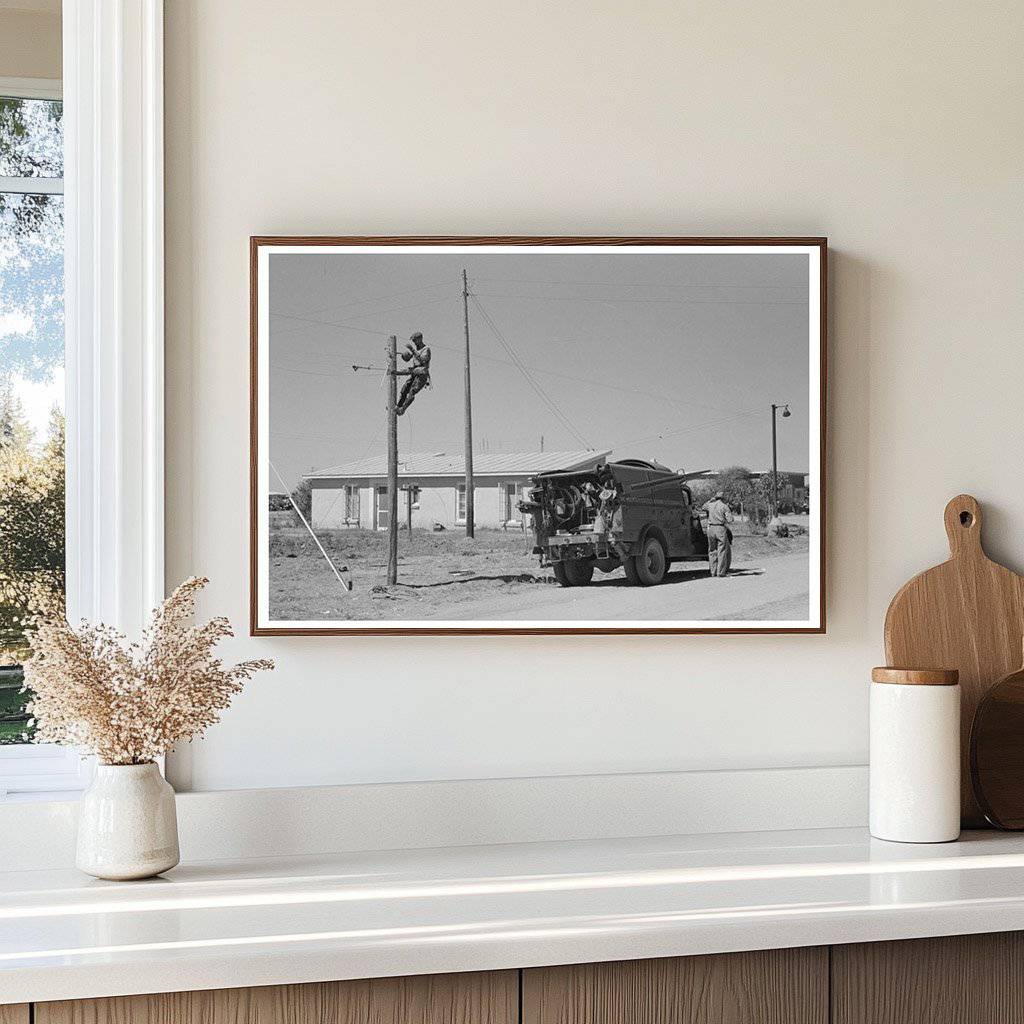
262 623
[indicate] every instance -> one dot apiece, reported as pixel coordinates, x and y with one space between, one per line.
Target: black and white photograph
557 435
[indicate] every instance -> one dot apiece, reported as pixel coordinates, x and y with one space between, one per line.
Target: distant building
794 488
433 490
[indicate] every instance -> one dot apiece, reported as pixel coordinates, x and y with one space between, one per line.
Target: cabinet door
780 986
14 1013
962 979
490 998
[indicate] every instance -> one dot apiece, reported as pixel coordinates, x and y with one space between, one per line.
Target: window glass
31 385
460 501
31 138
352 504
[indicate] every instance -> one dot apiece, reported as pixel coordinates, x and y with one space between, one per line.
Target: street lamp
775 457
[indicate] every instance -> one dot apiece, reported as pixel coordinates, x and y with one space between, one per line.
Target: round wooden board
997 753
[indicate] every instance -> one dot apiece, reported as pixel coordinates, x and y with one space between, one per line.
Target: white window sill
296 919
42 771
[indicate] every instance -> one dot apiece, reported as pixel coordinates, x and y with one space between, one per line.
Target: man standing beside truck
719 535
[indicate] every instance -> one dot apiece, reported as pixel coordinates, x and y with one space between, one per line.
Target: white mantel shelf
273 921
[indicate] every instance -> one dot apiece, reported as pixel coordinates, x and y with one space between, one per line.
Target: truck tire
573 573
629 564
649 567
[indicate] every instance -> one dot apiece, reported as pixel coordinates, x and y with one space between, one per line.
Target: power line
617 298
706 425
372 298
687 403
354 327
637 284
513 355
398 309
327 323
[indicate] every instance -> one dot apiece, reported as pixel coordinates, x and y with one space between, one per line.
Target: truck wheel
574 574
651 564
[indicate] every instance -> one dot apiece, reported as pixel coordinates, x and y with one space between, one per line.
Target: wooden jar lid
916 676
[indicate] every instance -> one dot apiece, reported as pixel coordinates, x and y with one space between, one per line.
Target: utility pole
469 410
392 460
775 457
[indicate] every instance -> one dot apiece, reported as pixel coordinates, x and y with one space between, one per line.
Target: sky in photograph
31 265
672 357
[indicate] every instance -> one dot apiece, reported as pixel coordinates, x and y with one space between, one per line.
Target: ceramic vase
127 826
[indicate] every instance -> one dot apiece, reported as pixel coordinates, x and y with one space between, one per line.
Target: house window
32 552
509 497
381 511
460 503
351 504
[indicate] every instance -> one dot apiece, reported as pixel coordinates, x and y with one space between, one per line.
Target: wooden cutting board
967 614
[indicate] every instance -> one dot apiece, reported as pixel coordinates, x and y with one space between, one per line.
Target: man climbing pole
418 373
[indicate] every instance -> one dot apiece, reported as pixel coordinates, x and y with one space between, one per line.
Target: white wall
895 129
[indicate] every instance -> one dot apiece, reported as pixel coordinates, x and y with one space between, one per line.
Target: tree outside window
31 385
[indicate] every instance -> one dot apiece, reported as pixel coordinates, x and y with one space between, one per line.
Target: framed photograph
537 435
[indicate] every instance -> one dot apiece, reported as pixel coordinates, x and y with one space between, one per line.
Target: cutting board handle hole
966 519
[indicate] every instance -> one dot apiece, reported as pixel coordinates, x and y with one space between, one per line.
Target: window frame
29 768
352 503
112 91
460 504
510 494
48 89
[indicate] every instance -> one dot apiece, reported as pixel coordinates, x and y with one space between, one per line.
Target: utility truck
633 513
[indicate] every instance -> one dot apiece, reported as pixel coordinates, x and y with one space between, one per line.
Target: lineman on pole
418 373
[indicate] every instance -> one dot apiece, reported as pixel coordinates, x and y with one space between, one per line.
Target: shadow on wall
853 286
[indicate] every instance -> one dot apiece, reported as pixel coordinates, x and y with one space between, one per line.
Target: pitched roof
484 464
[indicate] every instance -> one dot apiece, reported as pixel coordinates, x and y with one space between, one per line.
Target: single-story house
433 488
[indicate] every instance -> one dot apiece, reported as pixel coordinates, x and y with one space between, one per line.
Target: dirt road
766 589
495 576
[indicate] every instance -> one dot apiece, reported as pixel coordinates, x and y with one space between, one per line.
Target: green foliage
702 490
735 485
31 523
745 493
303 498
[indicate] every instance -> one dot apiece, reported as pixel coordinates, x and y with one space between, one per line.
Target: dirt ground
495 576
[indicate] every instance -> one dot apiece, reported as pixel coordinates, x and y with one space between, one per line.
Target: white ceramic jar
915 755
127 825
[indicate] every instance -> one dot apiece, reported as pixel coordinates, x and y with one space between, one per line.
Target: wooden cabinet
963 979
969 979
779 986
491 998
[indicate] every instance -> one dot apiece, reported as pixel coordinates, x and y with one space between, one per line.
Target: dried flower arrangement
129 703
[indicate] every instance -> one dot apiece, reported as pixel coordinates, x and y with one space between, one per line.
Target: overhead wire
370 299
624 298
695 428
637 284
514 356
356 327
